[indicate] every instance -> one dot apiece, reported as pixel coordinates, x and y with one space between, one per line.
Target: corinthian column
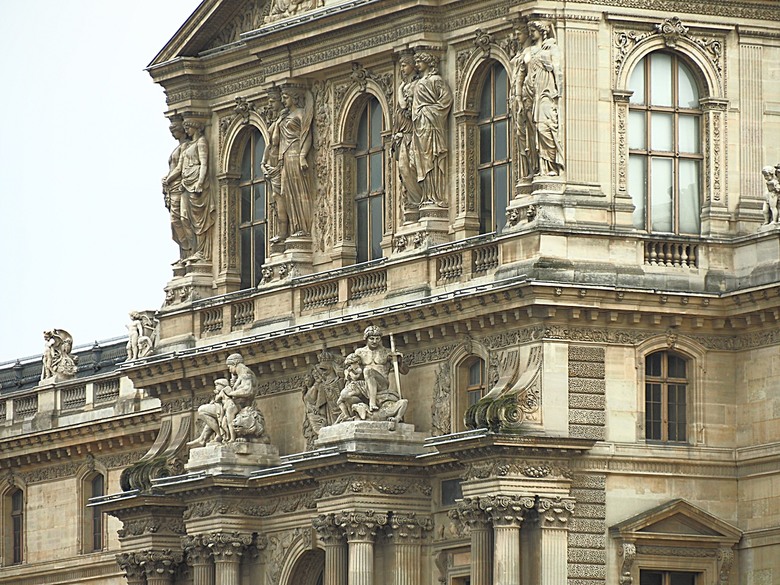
361 529
477 520
134 572
159 565
554 515
197 555
507 514
408 531
332 537
227 549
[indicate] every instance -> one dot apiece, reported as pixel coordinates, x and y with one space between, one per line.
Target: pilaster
159 565
471 514
408 531
227 549
507 513
466 177
554 515
228 272
198 556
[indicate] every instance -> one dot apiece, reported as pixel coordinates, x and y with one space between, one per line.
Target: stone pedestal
539 202
287 259
184 289
431 226
372 437
238 458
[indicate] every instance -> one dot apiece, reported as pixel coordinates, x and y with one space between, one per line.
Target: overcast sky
84 235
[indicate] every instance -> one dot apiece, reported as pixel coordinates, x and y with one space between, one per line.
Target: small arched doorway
309 569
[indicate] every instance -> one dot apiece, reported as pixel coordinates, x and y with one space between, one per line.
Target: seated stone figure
368 394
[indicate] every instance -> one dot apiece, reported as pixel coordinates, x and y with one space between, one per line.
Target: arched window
253 228
664 141
471 386
494 165
15 545
369 196
92 525
666 397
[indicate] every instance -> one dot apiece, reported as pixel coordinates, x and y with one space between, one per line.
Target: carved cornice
361 526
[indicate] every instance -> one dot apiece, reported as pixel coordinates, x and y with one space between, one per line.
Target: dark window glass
17 526
475 381
254 211
98 489
450 492
494 162
666 400
666 578
369 197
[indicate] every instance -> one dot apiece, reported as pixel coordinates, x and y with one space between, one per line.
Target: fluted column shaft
198 556
360 529
332 537
227 570
407 531
227 549
554 514
471 514
507 514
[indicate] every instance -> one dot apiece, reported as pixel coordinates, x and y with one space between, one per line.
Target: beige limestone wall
622 394
52 519
756 376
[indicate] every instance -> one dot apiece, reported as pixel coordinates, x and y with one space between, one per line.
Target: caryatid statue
272 167
172 192
403 135
292 134
536 93
368 393
431 103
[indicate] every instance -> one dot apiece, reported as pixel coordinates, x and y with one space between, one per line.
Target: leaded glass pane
376 124
259 212
362 174
676 366
375 206
682 579
486 102
246 258
362 134
362 230
653 364
246 204
485 143
259 151
500 199
246 163
375 172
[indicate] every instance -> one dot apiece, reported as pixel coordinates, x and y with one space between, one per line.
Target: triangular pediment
213 24
676 519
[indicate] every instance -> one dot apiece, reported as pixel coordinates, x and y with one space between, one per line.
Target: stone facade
467 292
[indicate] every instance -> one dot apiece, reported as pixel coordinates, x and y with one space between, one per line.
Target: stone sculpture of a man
181 229
403 135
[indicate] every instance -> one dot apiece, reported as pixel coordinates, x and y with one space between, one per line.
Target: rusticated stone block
586 370
587 401
586 432
588 541
587 417
588 571
586 386
587 481
586 556
586 353
592 511
588 525
586 496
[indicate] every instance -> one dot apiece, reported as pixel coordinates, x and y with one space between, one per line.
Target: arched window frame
254 207
470 79
369 182
235 134
695 355
713 105
93 534
461 361
14 524
344 251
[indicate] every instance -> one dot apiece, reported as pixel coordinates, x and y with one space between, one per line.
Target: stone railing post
477 520
554 515
332 537
407 531
360 529
227 549
507 514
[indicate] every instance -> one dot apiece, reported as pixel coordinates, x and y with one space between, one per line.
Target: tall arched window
253 228
15 547
666 397
369 197
494 165
664 140
92 526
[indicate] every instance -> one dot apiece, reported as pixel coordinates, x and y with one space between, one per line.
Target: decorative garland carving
672 30
534 469
322 92
141 526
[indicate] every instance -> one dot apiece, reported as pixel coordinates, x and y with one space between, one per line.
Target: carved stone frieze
441 407
160 525
531 469
278 545
364 485
249 18
252 508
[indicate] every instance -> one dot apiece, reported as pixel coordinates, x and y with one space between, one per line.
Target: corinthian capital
131 565
507 511
361 525
555 512
471 514
195 551
409 526
159 562
328 529
226 546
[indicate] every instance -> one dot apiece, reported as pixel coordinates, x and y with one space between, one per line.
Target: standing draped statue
431 103
403 135
536 92
172 192
272 168
292 133
198 205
